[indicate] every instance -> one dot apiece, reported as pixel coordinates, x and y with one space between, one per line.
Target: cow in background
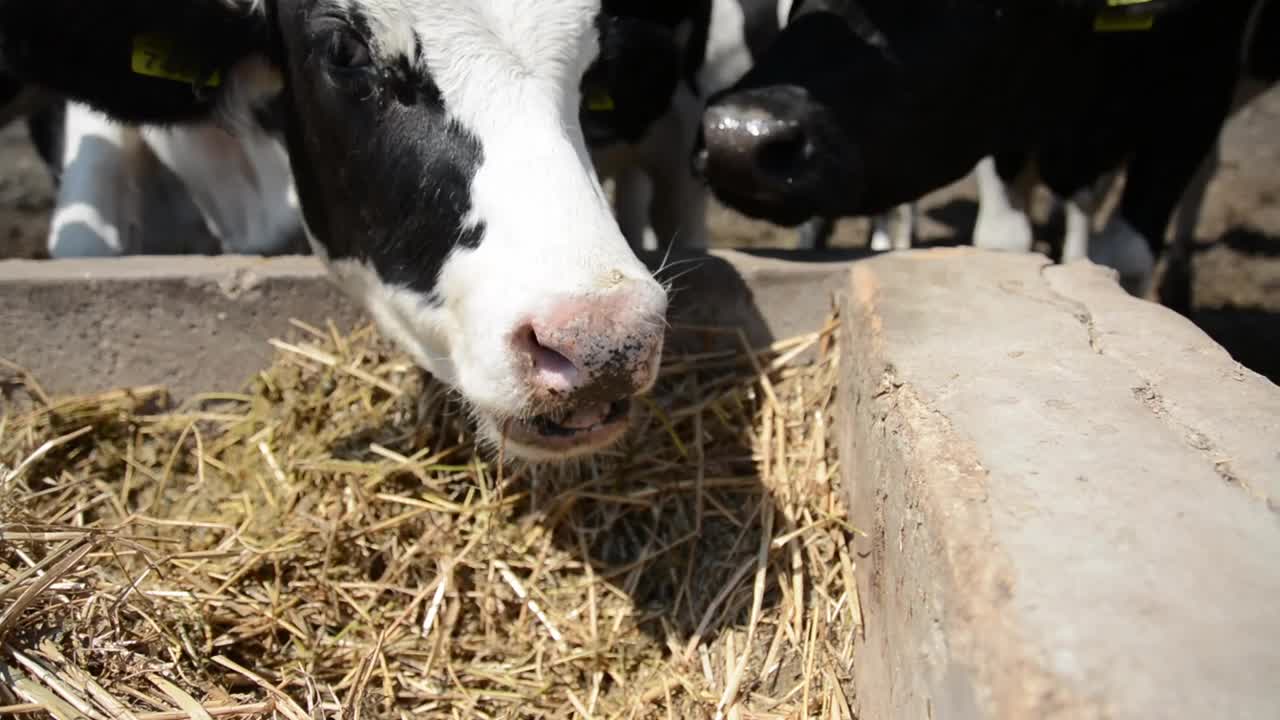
861 106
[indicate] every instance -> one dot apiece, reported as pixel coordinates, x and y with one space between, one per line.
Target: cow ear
139 61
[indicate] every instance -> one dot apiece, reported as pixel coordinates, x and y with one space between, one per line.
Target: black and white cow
441 174
644 98
1133 237
196 188
643 104
862 105
640 113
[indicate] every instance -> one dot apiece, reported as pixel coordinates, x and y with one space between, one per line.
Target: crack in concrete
1078 310
1148 395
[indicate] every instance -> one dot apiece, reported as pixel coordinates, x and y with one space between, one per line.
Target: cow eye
347 51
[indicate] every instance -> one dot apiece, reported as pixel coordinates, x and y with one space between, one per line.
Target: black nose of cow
751 147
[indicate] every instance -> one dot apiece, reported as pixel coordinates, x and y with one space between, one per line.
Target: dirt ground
1236 264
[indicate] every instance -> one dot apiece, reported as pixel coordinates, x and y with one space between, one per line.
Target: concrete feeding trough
1068 499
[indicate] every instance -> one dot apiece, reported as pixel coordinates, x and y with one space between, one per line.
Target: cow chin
511 423
539 439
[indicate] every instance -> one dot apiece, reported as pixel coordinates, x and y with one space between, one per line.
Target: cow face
860 106
440 170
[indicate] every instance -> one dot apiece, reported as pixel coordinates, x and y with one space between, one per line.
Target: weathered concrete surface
196 324
1069 499
191 323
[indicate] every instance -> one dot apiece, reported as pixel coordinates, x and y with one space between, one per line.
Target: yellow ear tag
155 56
599 101
1122 22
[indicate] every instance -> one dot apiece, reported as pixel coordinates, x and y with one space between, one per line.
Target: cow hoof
815 234
880 241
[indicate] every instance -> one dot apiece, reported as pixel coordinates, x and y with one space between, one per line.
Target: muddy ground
1236 264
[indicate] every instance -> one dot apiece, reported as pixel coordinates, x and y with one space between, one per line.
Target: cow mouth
568 432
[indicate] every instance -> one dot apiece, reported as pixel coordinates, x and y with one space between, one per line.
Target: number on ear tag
156 56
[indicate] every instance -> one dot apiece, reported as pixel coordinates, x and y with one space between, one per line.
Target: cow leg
1003 223
1160 171
907 216
815 234
1079 211
679 208
895 229
96 211
632 195
881 225
1187 215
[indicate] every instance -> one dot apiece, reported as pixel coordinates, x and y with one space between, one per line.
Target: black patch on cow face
383 172
642 60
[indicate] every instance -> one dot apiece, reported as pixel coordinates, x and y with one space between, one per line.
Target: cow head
861 105
647 47
440 168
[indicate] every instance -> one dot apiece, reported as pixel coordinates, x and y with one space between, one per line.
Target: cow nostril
785 153
551 366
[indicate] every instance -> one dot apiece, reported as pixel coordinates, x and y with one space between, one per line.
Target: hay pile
329 544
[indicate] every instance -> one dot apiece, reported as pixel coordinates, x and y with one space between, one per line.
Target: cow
861 106
640 112
643 104
1006 180
644 100
440 169
196 188
155 190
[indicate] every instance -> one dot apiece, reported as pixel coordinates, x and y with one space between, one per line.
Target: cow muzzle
763 153
582 361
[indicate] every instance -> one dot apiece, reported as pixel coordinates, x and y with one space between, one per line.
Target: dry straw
330 544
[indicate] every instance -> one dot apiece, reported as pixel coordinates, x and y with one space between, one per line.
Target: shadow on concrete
832 255
1249 334
767 293
1249 242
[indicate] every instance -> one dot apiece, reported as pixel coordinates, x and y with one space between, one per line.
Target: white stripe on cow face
454 196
